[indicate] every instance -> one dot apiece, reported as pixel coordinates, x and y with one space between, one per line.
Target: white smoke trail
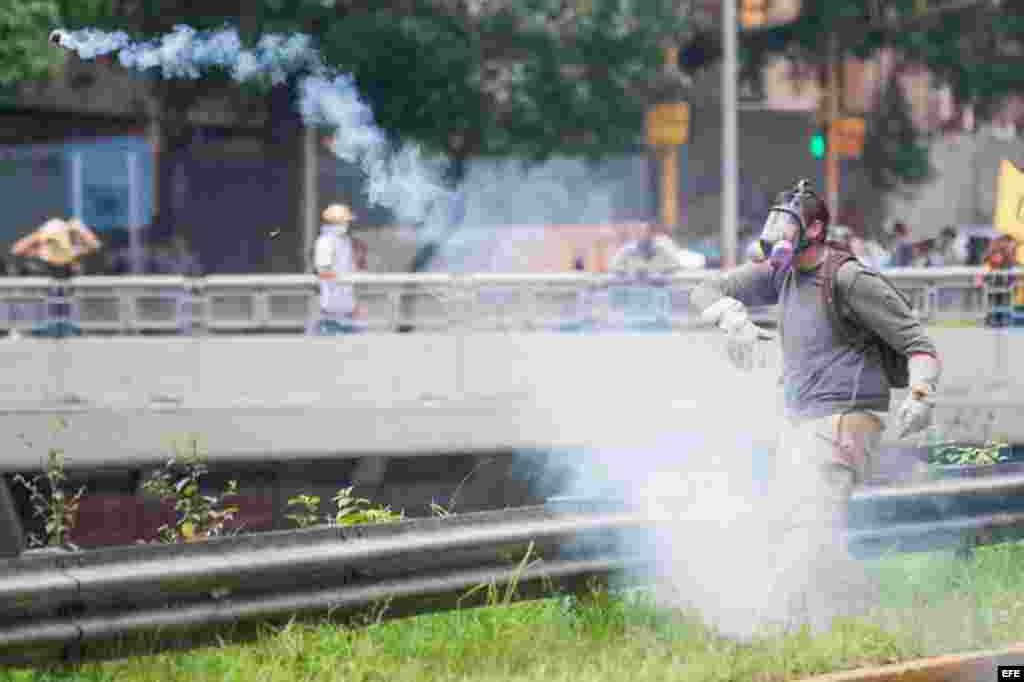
404 181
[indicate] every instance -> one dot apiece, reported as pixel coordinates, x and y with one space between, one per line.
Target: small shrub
354 511
198 516
307 510
351 510
50 501
951 454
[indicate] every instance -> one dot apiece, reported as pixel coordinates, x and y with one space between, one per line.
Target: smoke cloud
403 180
690 445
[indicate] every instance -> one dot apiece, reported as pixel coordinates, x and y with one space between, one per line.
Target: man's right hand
742 334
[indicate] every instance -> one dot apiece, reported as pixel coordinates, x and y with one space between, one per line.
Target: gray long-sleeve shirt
823 374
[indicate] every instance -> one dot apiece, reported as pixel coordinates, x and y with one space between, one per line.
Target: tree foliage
24 52
979 51
893 153
526 78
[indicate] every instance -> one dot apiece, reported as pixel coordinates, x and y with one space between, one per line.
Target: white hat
338 214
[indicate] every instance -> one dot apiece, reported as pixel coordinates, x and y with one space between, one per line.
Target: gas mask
782 236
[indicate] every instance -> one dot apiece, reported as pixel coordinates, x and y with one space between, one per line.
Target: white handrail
284 302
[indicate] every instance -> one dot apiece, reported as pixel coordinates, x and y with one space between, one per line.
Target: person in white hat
333 255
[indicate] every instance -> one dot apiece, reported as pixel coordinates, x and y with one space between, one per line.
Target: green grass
935 603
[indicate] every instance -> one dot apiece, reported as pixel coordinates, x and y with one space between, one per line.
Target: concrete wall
251 398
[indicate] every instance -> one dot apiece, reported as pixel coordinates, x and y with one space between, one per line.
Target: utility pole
832 168
309 211
730 134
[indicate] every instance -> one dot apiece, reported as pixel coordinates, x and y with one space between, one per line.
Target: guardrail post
261 308
12 535
465 299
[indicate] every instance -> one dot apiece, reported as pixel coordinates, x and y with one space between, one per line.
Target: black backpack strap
843 326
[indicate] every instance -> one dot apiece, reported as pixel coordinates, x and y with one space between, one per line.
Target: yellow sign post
1009 214
668 124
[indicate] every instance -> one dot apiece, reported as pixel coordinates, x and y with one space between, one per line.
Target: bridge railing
436 301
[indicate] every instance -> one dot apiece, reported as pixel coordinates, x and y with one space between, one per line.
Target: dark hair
812 206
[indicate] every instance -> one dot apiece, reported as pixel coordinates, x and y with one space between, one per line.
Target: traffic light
818 145
753 14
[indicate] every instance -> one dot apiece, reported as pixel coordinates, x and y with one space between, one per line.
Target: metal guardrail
288 303
72 604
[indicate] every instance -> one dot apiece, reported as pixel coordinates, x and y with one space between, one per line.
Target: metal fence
62 605
288 303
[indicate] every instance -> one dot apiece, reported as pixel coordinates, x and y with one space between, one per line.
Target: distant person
651 251
951 248
902 248
644 262
1000 258
927 254
868 251
336 253
59 246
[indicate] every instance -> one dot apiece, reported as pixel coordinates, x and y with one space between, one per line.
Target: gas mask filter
780 237
783 231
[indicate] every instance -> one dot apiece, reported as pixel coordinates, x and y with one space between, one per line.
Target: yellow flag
1009 218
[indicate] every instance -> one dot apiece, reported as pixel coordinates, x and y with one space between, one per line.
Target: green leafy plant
307 510
963 455
198 516
351 510
50 501
354 511
49 498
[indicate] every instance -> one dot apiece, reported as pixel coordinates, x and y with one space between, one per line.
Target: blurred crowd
953 247
62 249
172 255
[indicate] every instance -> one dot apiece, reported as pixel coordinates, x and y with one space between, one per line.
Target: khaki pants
818 464
820 461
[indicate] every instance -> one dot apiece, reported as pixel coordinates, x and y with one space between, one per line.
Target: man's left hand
913 415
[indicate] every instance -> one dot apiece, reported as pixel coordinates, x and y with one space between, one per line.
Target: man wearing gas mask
834 315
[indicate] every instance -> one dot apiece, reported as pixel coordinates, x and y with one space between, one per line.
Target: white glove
742 335
915 413
913 416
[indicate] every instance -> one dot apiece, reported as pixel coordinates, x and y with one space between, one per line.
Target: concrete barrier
249 397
